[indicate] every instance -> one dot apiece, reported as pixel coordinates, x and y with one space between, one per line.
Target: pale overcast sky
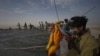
33 11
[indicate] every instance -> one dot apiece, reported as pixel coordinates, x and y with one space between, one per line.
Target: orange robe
54 41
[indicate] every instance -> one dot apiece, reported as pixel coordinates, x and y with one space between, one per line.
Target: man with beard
82 43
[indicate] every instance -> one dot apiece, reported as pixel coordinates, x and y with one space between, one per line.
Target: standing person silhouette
25 26
19 26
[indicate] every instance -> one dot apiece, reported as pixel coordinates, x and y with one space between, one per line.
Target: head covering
58 22
66 20
78 21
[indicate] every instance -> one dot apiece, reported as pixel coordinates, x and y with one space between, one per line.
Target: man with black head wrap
84 43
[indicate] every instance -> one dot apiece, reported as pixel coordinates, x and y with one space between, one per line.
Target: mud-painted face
78 31
74 31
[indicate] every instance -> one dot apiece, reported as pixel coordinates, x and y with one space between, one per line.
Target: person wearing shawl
54 41
55 38
84 44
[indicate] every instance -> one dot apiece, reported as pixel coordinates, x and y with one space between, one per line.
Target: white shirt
63 43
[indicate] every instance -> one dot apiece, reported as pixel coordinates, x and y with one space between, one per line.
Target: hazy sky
33 11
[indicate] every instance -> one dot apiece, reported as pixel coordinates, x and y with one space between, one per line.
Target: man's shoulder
89 40
92 38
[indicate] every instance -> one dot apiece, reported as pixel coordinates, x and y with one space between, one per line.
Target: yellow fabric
50 40
54 40
86 46
73 52
58 22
